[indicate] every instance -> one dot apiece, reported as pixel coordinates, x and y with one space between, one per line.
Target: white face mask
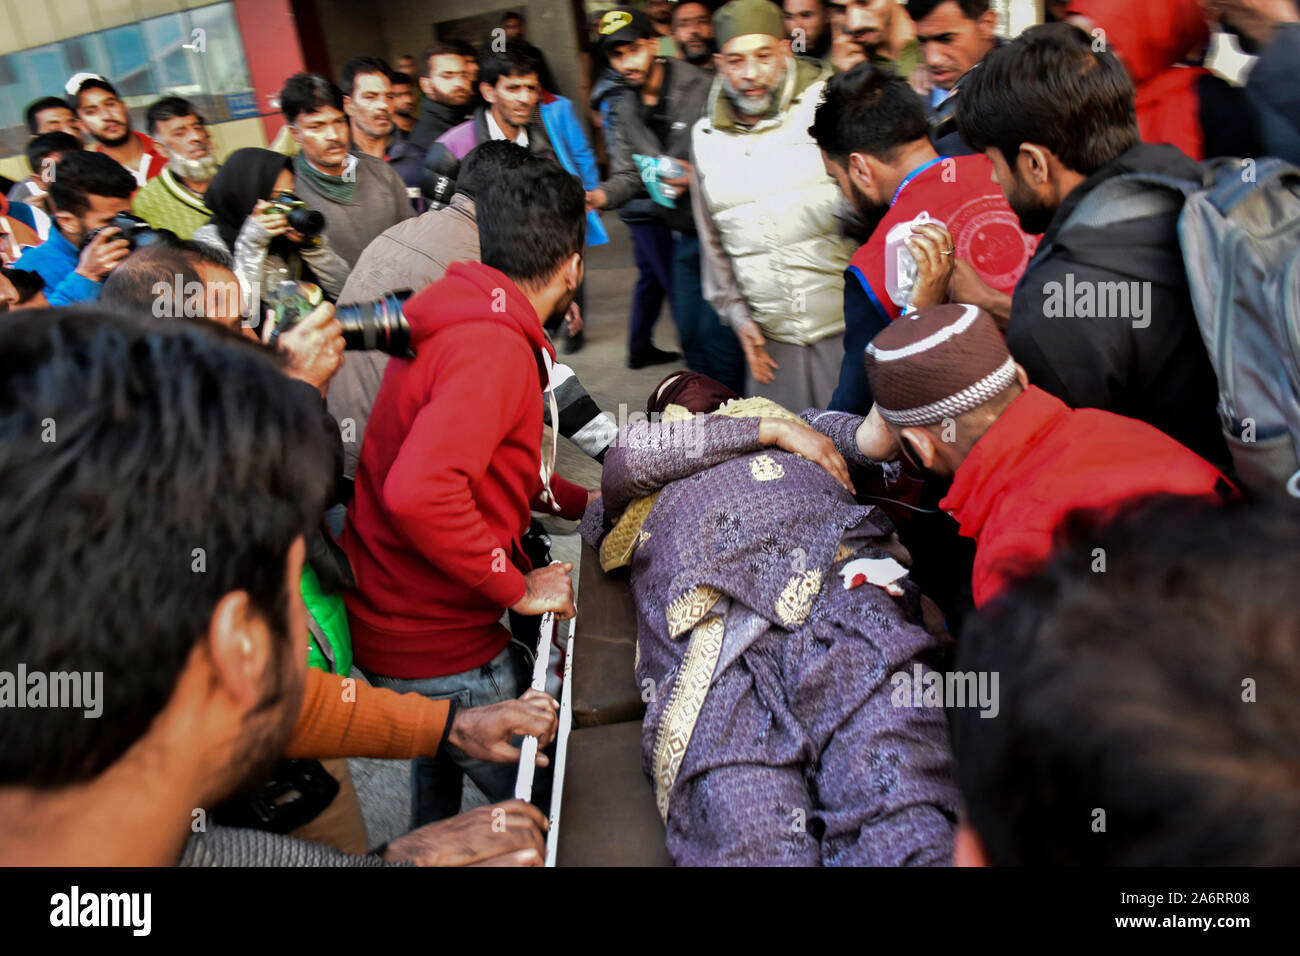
199 170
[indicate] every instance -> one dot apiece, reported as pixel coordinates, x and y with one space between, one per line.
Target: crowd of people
975 385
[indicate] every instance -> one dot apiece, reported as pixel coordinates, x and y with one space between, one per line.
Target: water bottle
668 168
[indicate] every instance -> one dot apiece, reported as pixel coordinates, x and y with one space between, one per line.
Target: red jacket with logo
956 192
1041 460
448 470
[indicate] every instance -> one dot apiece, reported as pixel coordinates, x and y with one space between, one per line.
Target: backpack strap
1225 188
1131 196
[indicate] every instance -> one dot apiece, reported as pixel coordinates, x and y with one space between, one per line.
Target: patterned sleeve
648 455
842 428
581 419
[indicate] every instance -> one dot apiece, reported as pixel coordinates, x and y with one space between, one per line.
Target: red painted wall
273 51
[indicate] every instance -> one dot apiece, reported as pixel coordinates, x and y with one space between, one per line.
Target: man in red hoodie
948 392
453 461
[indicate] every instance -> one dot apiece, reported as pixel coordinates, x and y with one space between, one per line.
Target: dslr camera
133 229
309 222
367 326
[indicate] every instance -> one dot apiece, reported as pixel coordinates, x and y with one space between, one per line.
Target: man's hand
596 199
680 183
275 223
967 286
932 248
509 832
315 347
754 345
547 589
808 443
102 254
875 439
485 732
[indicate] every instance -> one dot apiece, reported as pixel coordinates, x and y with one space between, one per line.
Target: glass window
197 54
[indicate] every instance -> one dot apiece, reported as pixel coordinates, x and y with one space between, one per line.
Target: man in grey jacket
415 254
360 196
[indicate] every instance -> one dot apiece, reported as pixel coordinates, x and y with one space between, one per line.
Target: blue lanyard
912 175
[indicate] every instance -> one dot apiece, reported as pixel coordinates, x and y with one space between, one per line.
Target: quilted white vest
774 206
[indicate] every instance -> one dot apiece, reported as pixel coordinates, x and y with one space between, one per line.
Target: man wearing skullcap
772 255
948 392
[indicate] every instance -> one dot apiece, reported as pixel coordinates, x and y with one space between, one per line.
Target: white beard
195 170
753 105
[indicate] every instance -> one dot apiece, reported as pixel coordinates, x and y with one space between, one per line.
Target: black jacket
435 119
1152 367
682 99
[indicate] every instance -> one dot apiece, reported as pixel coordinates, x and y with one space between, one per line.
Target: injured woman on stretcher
771 733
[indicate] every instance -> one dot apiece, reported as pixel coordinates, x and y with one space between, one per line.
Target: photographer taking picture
268 231
86 191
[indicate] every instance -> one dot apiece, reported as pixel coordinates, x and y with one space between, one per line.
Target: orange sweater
358 720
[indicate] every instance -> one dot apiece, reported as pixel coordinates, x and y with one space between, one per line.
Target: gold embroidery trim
678 723
689 609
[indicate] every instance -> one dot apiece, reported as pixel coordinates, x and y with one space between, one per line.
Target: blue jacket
55 260
574 153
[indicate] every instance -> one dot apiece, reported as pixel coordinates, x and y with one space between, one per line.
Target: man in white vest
772 253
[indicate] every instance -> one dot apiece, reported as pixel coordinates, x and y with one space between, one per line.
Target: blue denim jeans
711 347
436 783
652 248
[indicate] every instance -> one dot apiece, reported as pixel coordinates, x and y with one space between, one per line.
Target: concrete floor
601 366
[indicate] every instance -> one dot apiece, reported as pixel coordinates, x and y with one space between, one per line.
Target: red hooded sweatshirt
449 466
1153 38
1041 460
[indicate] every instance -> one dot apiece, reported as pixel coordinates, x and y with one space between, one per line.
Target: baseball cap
623 25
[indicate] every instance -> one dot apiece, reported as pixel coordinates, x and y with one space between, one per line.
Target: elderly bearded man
174 198
772 254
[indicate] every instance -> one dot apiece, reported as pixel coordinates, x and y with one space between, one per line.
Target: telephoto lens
310 222
377 325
